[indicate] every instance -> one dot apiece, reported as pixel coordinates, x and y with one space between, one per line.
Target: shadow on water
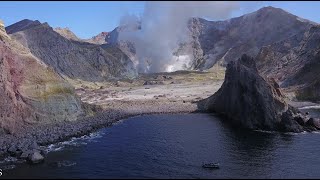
248 151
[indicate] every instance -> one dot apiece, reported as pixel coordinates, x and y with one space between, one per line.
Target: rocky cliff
22 25
98 39
30 91
73 59
2 28
224 41
295 63
248 100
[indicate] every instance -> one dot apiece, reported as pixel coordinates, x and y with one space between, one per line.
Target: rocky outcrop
30 91
98 39
246 99
3 33
295 62
74 59
2 28
67 33
21 25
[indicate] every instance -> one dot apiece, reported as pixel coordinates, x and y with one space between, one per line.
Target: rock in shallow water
246 99
64 163
35 158
314 122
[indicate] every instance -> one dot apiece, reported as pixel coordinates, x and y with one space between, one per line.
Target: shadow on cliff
247 100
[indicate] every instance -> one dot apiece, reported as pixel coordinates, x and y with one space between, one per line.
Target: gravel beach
123 103
109 105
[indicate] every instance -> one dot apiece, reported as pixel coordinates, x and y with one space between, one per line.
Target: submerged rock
64 163
248 100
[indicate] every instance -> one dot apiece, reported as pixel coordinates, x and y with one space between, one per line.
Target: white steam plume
164 27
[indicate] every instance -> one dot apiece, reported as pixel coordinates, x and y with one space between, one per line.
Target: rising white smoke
164 27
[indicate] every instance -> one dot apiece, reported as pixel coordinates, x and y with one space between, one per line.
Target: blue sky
87 19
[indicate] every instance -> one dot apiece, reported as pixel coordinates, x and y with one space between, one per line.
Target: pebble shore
33 138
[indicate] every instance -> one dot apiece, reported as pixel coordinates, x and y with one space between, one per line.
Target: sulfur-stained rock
30 91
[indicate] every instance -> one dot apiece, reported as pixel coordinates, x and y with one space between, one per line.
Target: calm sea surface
176 146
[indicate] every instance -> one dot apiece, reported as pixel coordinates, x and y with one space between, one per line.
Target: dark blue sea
176 146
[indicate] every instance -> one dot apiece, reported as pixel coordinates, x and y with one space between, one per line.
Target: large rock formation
30 91
220 42
73 59
248 100
295 62
225 41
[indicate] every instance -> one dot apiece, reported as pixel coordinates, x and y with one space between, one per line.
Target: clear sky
87 19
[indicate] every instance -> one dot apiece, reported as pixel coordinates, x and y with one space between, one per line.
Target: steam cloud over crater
164 27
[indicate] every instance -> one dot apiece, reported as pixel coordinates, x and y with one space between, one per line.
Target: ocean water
176 146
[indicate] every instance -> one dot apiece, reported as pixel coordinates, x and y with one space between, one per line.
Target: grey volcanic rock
224 41
36 158
21 25
98 39
113 36
220 42
295 63
110 38
67 33
248 100
74 59
127 47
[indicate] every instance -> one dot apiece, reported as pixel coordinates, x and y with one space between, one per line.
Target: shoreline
35 137
132 102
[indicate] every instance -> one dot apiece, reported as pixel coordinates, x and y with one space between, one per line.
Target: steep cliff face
74 59
213 42
225 41
30 91
248 100
295 62
127 47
